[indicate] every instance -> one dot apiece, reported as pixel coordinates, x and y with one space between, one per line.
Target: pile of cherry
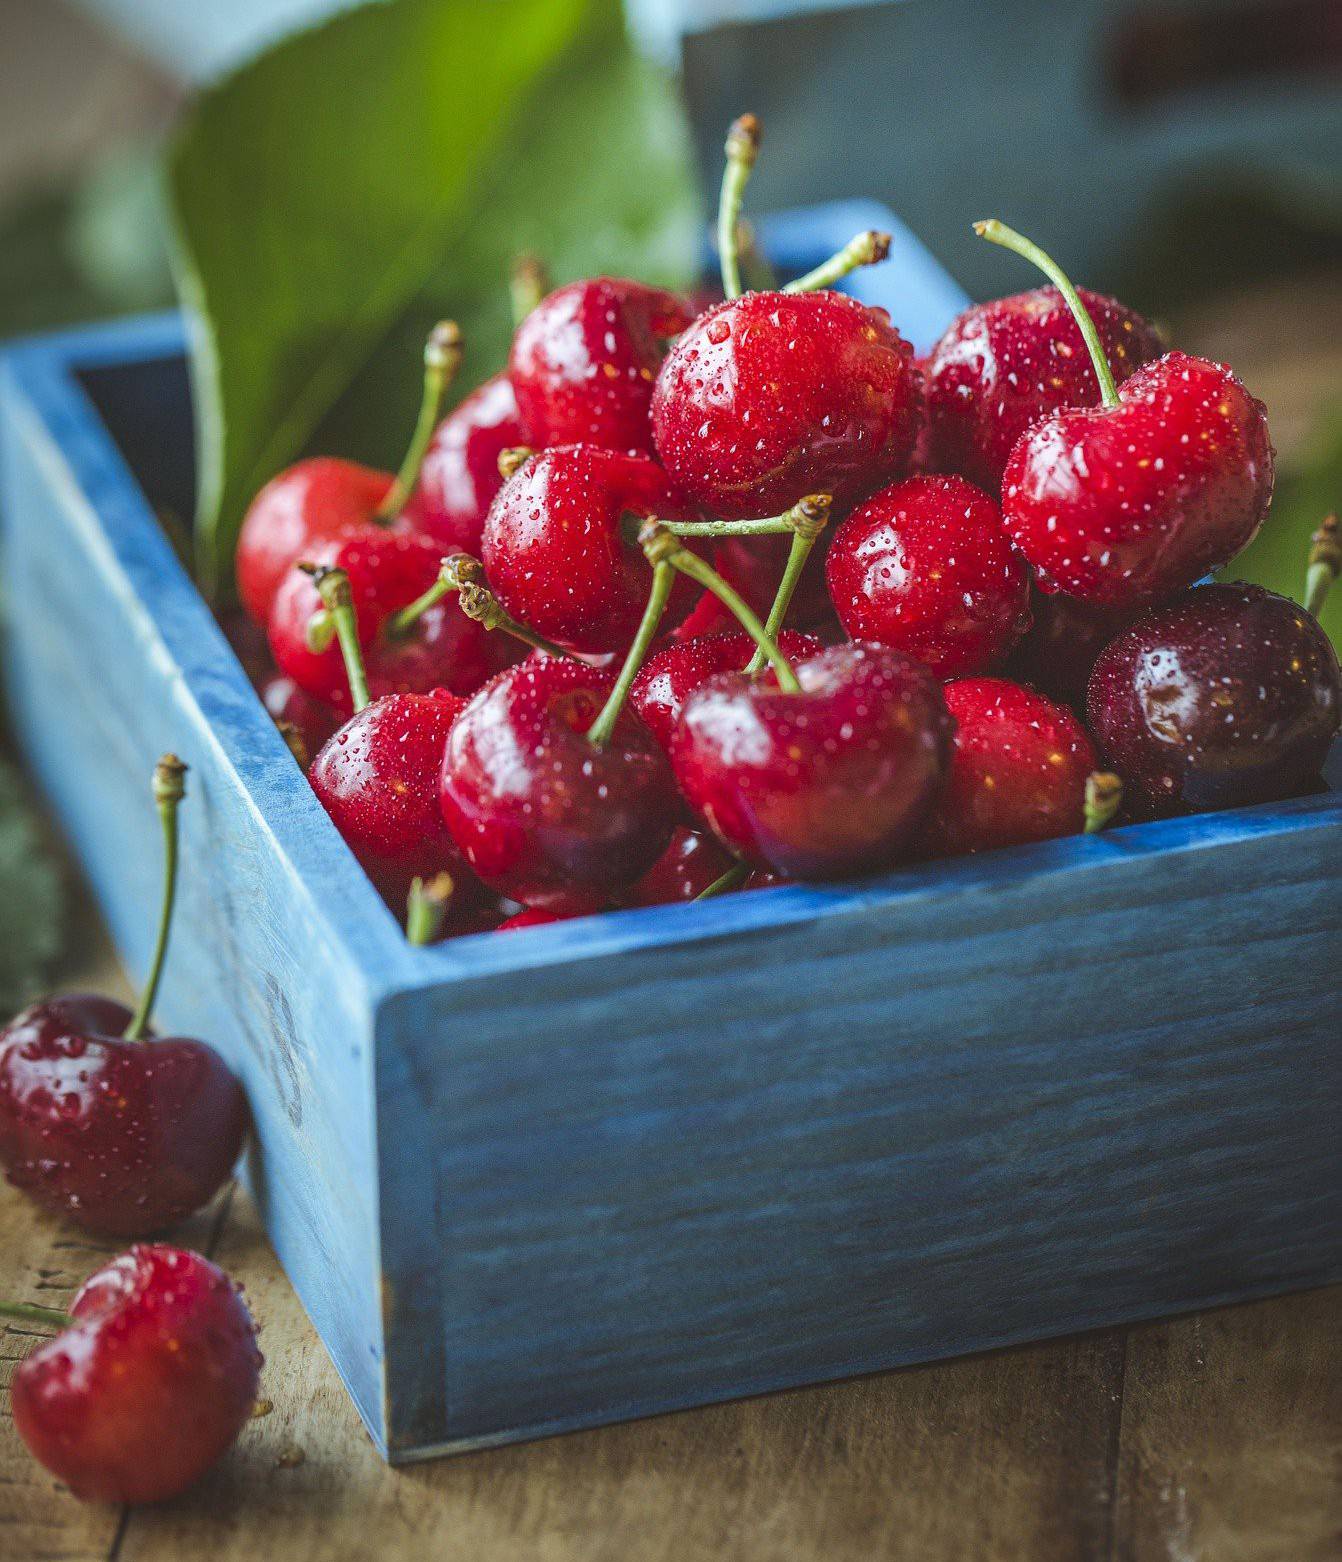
572 657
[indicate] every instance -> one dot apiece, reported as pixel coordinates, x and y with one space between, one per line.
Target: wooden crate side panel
931 1127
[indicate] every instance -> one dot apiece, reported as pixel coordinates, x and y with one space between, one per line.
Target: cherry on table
151 1380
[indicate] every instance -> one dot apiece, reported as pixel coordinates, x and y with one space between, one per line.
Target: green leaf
30 899
358 181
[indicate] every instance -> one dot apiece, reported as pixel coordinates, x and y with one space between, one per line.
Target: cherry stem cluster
998 233
868 248
427 907
1104 797
442 359
169 788
743 147
458 570
663 578
1325 564
806 520
334 589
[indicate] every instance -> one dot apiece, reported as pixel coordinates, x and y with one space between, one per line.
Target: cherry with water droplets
460 473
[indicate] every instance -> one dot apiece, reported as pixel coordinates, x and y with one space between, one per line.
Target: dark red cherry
313 720
772 396
1064 638
533 916
831 780
1126 504
584 360
1003 365
123 1137
148 1386
691 862
387 571
460 474
926 568
541 814
1018 770
378 780
1226 696
560 546
668 678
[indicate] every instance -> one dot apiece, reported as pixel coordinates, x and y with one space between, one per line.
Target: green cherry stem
334 589
806 520
513 458
528 283
734 878
31 1312
662 547
866 249
456 571
663 578
770 526
479 602
442 359
1325 564
169 788
743 147
998 233
1104 797
426 908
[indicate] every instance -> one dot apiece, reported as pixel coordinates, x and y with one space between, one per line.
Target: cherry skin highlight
1226 696
584 360
460 473
560 546
150 1384
926 568
1018 771
835 779
542 815
773 396
1127 504
1003 365
123 1137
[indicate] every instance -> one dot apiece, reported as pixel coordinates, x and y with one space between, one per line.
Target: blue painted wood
666 1156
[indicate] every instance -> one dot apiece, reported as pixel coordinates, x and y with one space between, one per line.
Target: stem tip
1104 796
169 784
743 140
513 458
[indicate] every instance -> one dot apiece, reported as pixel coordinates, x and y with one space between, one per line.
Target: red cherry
667 679
1125 504
149 1385
1003 365
1018 770
124 1137
542 815
560 546
378 780
830 780
460 474
691 862
754 565
772 396
584 360
313 720
926 568
387 571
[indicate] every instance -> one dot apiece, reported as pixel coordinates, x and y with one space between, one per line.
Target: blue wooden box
668 1156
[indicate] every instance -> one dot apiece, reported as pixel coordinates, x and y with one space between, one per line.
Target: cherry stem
663 547
806 520
30 1312
479 603
334 589
1104 797
998 233
770 526
442 359
743 147
663 578
169 788
1325 564
734 878
457 570
527 285
426 909
866 249
514 457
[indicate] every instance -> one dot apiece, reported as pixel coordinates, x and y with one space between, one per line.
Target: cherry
1064 638
311 720
926 568
828 778
541 813
533 916
1003 365
154 1376
583 362
1226 696
460 474
691 864
669 677
324 500
1018 771
754 565
387 572
1129 501
560 545
123 1135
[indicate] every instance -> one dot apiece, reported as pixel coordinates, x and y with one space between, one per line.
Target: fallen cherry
154 1374
123 1132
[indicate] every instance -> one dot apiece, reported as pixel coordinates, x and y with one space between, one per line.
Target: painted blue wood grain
672 1155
